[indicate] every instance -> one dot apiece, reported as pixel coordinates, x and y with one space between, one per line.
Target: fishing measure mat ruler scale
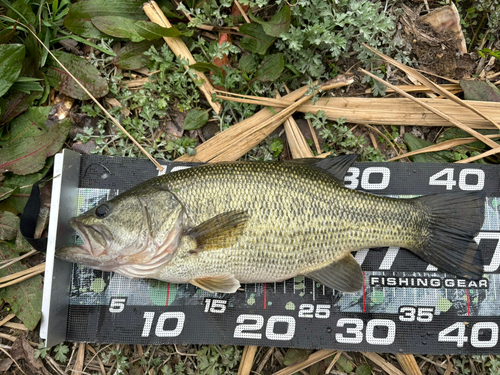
405 305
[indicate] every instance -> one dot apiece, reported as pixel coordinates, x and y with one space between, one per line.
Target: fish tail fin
447 241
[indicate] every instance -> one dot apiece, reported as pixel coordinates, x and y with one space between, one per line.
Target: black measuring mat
405 305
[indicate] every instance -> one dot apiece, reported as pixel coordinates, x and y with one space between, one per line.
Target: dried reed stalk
386 366
298 144
179 48
427 82
247 358
443 146
454 121
236 141
408 364
388 111
6 319
21 276
421 88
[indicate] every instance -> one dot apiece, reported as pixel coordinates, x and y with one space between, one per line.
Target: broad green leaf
482 91
16 102
24 298
248 63
30 124
256 40
151 31
6 35
23 185
207 67
9 224
279 24
25 155
78 19
270 68
20 10
5 192
195 119
86 73
294 356
118 27
415 143
343 364
132 55
364 370
11 62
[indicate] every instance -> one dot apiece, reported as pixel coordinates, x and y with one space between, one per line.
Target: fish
221 225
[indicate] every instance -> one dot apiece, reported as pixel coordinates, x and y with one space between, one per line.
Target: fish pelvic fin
447 241
337 167
220 231
217 284
343 274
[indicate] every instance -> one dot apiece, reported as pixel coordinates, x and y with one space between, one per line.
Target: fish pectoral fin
337 166
217 284
344 274
221 231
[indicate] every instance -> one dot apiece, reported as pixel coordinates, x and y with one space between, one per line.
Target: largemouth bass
218 225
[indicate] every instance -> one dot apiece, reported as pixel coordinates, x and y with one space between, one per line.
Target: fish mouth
95 239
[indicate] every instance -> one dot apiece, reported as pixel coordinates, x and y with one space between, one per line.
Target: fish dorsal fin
344 274
337 166
217 284
220 231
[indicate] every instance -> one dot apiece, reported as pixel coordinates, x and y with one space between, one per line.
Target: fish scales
219 225
299 219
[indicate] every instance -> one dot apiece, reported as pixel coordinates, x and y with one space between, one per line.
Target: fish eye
102 211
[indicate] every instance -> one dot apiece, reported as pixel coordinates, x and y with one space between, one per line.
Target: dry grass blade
477 157
386 366
241 132
6 319
92 350
80 357
242 11
452 120
15 277
427 82
298 144
8 262
247 358
18 326
333 362
14 338
408 364
257 100
383 136
401 111
17 364
179 48
268 355
315 138
446 145
22 273
236 141
421 88
313 358
160 168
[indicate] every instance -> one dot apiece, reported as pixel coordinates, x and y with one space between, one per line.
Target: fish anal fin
217 284
344 275
337 166
220 231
